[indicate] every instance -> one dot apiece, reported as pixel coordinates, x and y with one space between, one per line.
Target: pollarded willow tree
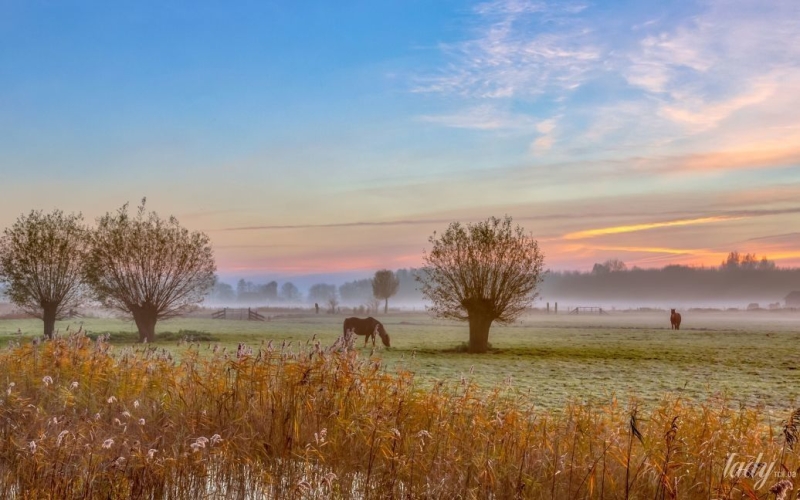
482 273
41 263
148 267
384 285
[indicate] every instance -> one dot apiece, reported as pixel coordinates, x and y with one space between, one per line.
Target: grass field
750 359
85 419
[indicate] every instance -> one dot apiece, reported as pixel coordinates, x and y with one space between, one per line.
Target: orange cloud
673 251
789 255
703 254
591 233
766 156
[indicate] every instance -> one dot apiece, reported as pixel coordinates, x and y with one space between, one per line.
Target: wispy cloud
547 139
733 159
408 222
622 167
701 86
731 215
517 53
700 114
484 117
578 215
787 237
592 233
728 56
542 143
662 250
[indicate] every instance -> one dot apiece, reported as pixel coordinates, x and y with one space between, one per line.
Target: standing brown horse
367 327
675 320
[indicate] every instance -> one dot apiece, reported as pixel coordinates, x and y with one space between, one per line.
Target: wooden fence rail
578 310
239 314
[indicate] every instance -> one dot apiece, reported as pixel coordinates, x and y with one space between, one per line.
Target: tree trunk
479 325
146 324
386 306
49 318
480 314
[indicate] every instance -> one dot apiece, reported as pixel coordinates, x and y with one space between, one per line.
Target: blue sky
651 133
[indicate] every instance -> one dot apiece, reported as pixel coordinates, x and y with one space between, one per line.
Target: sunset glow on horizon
337 137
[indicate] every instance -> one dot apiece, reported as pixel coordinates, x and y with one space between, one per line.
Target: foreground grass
79 421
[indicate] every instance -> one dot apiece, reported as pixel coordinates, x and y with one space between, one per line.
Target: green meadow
750 359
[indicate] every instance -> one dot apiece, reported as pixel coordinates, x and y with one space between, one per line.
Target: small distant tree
148 267
333 302
372 306
290 293
222 293
384 285
765 264
356 291
321 292
269 290
41 263
408 289
615 266
482 273
244 287
747 262
609 266
731 262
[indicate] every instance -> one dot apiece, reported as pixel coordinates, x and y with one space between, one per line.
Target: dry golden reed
80 421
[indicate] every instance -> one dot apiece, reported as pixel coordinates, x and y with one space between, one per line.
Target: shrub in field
80 421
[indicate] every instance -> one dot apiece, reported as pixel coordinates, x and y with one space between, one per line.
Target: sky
335 137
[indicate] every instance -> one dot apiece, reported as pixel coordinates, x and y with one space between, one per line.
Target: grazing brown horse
367 327
675 320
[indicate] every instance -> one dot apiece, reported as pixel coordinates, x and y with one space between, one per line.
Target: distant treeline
351 293
251 293
739 279
673 283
